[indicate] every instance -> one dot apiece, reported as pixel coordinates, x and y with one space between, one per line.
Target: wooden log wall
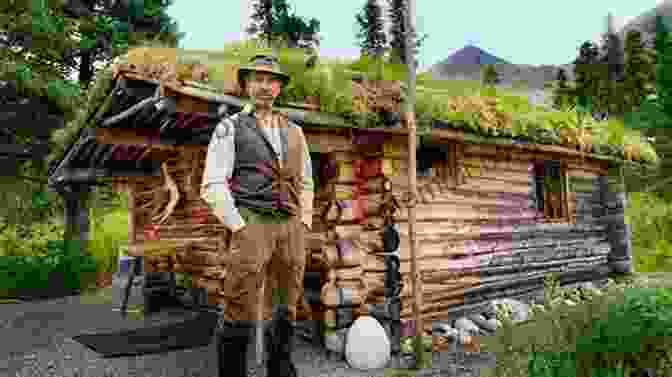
191 220
479 233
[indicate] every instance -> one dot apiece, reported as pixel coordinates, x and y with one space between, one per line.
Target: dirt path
36 341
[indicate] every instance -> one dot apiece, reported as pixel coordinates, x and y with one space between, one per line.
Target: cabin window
432 161
324 169
551 189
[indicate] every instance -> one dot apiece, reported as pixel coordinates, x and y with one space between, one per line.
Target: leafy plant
62 270
589 339
109 234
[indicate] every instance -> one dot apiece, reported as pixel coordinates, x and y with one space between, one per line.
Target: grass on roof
465 104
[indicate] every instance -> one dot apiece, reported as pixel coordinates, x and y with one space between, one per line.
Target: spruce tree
561 91
371 36
397 10
262 20
663 46
72 36
639 72
609 72
586 72
273 22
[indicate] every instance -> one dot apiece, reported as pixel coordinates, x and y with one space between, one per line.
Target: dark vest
251 183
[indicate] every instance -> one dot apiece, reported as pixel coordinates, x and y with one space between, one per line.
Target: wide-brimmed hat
262 63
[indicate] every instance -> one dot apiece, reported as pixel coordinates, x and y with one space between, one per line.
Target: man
258 182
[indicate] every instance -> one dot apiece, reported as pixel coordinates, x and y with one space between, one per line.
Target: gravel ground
40 344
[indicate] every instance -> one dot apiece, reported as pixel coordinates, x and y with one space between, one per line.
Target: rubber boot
233 339
281 345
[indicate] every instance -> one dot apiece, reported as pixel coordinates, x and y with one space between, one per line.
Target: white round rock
367 346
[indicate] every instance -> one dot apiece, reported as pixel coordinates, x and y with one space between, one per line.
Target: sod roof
489 113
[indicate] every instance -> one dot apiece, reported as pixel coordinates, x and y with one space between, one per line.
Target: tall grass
650 219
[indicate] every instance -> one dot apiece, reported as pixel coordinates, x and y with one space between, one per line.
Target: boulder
485 324
444 329
335 341
466 325
464 337
367 345
520 311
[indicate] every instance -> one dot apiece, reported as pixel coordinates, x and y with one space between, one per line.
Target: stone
467 325
520 310
335 341
367 345
445 330
463 337
483 323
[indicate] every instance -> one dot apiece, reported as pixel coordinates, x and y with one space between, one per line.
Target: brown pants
263 250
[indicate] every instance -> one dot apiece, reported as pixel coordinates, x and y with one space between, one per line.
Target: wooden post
412 181
76 198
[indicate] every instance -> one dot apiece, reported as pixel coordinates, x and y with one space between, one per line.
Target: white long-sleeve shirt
218 172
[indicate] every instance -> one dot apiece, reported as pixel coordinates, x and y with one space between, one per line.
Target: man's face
263 88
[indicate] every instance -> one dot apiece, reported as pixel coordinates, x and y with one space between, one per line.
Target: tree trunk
86 69
77 215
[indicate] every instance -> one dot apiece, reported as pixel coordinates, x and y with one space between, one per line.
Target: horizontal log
486 281
347 273
216 272
206 258
487 202
456 249
333 296
162 246
518 178
344 253
454 212
212 286
490 164
478 183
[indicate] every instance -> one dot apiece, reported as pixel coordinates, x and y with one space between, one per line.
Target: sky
519 31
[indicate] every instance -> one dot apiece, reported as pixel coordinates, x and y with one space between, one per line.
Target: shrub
625 329
62 270
109 234
649 217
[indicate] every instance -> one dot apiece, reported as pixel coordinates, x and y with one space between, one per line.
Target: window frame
543 195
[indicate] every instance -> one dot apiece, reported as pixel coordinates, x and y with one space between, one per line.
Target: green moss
330 81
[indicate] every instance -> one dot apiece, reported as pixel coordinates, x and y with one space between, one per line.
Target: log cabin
493 215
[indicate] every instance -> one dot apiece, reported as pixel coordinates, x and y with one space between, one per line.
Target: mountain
471 54
467 64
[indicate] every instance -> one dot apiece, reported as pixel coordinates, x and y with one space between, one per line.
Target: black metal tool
134 271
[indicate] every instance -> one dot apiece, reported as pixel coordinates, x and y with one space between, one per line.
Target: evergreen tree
273 23
586 72
490 75
561 92
262 20
663 46
296 31
397 10
639 72
609 72
371 37
108 28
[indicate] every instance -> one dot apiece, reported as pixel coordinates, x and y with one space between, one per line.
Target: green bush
62 270
16 240
651 221
625 329
109 234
